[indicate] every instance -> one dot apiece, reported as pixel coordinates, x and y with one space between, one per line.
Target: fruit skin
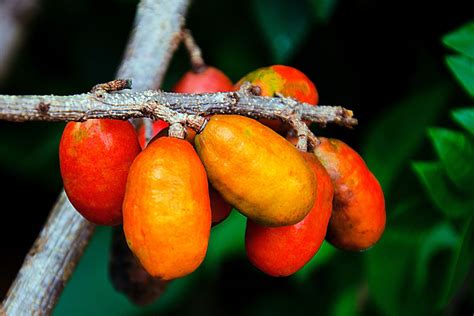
284 80
209 80
94 158
358 217
282 251
166 210
219 207
256 170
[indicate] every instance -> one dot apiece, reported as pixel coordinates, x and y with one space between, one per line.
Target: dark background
370 56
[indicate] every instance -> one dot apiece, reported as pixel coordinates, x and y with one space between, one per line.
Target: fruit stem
177 130
195 55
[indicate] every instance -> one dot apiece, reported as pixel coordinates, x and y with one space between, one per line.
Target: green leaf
435 181
442 236
324 255
285 24
346 304
461 263
456 152
463 69
465 117
323 9
388 266
462 39
388 146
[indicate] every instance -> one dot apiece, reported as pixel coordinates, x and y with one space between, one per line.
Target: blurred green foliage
416 134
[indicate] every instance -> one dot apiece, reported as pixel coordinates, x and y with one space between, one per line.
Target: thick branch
158 23
155 37
167 106
14 15
50 262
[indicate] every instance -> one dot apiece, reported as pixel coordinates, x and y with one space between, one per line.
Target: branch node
249 89
43 108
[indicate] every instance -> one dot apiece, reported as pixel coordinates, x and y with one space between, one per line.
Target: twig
195 54
168 106
158 23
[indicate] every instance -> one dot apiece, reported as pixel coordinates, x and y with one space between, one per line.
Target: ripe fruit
256 170
358 217
209 80
281 251
219 207
94 158
284 80
166 210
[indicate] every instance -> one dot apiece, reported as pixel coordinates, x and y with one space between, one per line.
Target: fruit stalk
195 54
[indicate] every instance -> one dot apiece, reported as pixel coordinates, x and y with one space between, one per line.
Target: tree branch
168 106
158 23
155 37
14 15
50 262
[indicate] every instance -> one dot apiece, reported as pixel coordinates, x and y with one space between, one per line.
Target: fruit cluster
169 192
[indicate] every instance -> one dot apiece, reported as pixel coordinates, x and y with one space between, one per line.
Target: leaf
462 39
388 266
442 236
323 9
284 24
433 177
346 304
465 117
324 255
463 69
461 263
456 152
387 146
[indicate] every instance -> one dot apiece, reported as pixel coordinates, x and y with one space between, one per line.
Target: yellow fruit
166 210
256 170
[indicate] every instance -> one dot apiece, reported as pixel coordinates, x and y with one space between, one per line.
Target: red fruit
95 157
219 207
209 80
281 251
157 127
358 216
284 80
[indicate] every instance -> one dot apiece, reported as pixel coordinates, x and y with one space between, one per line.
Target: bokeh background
389 61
